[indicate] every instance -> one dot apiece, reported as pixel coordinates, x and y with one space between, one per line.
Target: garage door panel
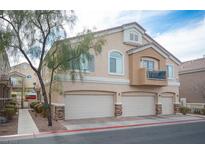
89 106
138 105
167 105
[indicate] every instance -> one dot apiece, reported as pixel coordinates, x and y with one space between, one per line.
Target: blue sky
180 32
172 20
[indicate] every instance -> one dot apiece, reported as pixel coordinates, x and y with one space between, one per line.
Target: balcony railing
157 75
4 77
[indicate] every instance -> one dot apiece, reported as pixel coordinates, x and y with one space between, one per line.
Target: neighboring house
133 76
5 85
23 80
192 81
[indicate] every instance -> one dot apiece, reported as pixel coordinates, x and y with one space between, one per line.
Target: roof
20 64
157 48
113 28
17 73
121 28
193 65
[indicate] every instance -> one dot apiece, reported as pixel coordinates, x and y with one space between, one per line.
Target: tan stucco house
192 79
24 81
133 76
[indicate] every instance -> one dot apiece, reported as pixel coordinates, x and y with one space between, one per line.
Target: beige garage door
88 106
138 105
167 105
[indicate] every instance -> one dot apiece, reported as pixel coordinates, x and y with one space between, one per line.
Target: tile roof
193 65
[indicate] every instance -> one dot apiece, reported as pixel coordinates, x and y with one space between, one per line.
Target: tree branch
19 41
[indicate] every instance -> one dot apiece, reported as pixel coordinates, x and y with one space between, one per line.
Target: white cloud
186 43
94 19
109 18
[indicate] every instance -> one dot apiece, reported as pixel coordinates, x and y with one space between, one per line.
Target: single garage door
88 106
167 105
138 105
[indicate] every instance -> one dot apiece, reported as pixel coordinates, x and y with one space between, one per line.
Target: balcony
4 77
154 78
156 75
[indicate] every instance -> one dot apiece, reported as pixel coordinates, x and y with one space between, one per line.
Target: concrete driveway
122 122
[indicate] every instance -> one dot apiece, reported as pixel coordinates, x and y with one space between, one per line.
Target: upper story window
133 36
116 63
29 77
148 64
170 71
87 64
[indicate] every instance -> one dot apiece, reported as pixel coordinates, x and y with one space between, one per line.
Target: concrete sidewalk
96 126
26 125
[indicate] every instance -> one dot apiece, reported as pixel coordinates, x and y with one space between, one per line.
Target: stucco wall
192 87
114 42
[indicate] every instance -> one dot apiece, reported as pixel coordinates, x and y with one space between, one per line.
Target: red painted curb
102 128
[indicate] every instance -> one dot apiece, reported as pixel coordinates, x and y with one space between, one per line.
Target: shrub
184 110
9 112
33 104
203 111
197 111
11 106
38 108
13 103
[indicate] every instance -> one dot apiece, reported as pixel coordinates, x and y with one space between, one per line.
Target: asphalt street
169 134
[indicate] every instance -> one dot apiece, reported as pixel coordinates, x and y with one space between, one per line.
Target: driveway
122 122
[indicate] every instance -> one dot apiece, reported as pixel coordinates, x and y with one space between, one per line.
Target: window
133 36
87 64
29 76
116 63
148 64
170 71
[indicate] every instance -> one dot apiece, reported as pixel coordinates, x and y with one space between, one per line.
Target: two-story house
133 76
23 80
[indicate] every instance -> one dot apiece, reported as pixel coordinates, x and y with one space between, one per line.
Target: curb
58 132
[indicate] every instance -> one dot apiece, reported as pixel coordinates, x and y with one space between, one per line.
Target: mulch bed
9 128
42 123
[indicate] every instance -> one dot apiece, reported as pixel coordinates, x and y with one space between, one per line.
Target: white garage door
138 105
167 105
88 106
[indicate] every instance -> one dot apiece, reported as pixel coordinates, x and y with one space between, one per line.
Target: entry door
167 105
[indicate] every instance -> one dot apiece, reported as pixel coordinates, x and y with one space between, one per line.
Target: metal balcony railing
4 77
157 75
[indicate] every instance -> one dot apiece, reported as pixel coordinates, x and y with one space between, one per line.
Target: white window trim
111 73
171 78
134 33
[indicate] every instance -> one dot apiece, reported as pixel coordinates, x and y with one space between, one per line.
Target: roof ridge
197 59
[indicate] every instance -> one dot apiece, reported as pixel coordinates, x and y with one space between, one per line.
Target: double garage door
82 106
88 106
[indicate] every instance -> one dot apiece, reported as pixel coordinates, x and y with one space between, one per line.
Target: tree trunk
45 99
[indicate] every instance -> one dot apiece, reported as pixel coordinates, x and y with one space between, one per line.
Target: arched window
115 62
